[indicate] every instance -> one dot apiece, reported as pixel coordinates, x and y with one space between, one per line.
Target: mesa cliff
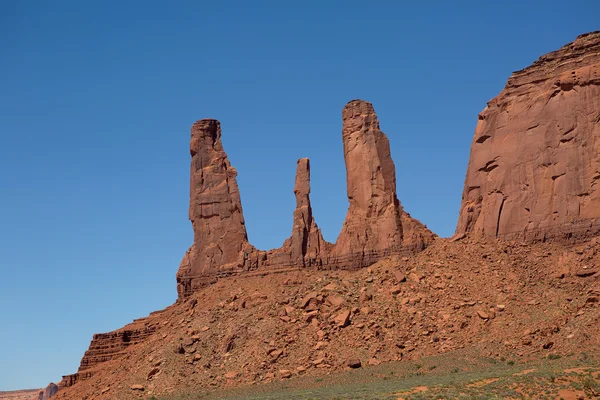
534 169
376 225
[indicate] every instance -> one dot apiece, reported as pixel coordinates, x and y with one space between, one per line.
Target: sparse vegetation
478 379
590 385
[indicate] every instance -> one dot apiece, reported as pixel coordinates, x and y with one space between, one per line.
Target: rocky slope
534 170
505 299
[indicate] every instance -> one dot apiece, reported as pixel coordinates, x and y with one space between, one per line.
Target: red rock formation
306 246
375 221
48 392
376 225
215 211
108 346
534 170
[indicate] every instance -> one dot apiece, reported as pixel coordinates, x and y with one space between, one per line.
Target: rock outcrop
375 223
306 246
48 392
220 236
306 243
373 220
534 169
109 346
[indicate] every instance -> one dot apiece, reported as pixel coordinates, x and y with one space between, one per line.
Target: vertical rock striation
534 169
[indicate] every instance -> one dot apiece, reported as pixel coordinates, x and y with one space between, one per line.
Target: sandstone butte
533 175
376 225
534 168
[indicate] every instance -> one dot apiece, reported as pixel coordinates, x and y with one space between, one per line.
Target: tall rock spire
215 211
306 242
373 225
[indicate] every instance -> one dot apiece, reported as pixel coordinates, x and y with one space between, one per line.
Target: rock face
108 346
215 211
306 246
307 241
48 392
376 225
534 169
373 220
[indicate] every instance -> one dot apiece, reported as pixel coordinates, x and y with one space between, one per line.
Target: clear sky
96 102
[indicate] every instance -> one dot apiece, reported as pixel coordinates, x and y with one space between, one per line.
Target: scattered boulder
231 375
335 300
342 319
153 372
285 374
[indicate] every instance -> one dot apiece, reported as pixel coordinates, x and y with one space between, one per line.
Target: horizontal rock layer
108 346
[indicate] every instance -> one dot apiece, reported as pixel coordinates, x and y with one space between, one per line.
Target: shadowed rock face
534 169
48 392
376 225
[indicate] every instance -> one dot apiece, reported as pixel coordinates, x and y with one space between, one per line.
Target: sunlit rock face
534 169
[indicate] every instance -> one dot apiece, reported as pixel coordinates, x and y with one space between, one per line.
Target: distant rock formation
534 169
376 225
48 392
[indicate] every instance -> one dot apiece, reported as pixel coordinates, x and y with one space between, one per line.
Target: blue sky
96 102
